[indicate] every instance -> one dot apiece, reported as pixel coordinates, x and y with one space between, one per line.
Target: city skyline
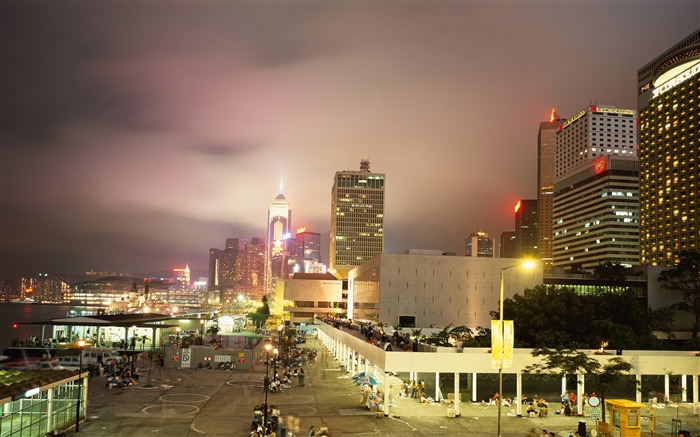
138 150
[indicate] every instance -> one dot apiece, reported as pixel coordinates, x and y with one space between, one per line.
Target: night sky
137 135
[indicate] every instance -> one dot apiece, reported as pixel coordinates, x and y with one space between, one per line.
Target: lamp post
280 328
275 352
81 344
266 384
501 327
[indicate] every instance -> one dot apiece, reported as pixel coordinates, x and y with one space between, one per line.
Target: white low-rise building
421 288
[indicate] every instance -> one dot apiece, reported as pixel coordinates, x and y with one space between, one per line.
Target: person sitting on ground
531 410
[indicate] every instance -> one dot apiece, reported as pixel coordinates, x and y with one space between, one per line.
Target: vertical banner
502 338
508 339
496 344
186 358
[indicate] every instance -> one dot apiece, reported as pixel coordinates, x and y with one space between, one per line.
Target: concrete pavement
193 402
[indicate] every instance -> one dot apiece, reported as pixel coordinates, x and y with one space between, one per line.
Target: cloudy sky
137 135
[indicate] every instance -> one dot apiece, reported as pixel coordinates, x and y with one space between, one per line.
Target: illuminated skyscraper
479 244
279 228
596 193
357 218
668 94
546 150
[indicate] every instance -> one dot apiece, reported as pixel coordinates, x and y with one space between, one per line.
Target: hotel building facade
596 195
668 89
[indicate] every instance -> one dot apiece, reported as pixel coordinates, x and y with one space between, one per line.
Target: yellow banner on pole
502 339
496 344
508 340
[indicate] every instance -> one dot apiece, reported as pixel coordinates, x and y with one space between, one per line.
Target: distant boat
23 300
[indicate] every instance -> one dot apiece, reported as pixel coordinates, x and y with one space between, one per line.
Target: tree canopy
565 362
547 316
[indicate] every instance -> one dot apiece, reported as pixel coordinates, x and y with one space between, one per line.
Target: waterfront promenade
196 402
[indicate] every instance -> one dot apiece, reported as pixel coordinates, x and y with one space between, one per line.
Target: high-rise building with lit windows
595 208
668 89
596 214
546 150
279 231
594 132
357 218
480 245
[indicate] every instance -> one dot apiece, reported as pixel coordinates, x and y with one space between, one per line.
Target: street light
501 327
266 384
279 336
275 352
81 344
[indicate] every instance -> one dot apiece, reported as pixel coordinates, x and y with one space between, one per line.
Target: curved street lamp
266 383
81 344
501 326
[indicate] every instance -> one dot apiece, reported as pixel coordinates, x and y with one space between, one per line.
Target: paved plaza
196 402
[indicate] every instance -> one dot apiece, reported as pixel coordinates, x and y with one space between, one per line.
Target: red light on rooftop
600 165
594 108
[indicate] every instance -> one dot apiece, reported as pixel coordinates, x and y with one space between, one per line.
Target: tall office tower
253 268
229 274
668 98
357 218
279 229
215 259
509 245
596 214
546 150
479 244
526 228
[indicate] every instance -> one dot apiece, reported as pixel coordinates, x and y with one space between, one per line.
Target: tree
259 317
685 278
548 316
456 334
565 362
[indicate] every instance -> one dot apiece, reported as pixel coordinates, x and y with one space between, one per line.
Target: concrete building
423 288
546 149
357 218
596 214
669 151
309 295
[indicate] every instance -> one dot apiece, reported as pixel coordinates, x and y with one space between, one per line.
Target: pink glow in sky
137 135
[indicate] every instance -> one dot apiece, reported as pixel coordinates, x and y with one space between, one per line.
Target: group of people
533 433
539 407
123 378
227 365
278 426
412 389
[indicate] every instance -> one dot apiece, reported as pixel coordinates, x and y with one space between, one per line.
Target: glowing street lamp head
268 347
528 264
275 351
81 343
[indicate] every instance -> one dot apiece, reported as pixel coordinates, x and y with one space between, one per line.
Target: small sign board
186 358
222 358
596 413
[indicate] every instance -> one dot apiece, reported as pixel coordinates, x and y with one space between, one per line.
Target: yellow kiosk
625 418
